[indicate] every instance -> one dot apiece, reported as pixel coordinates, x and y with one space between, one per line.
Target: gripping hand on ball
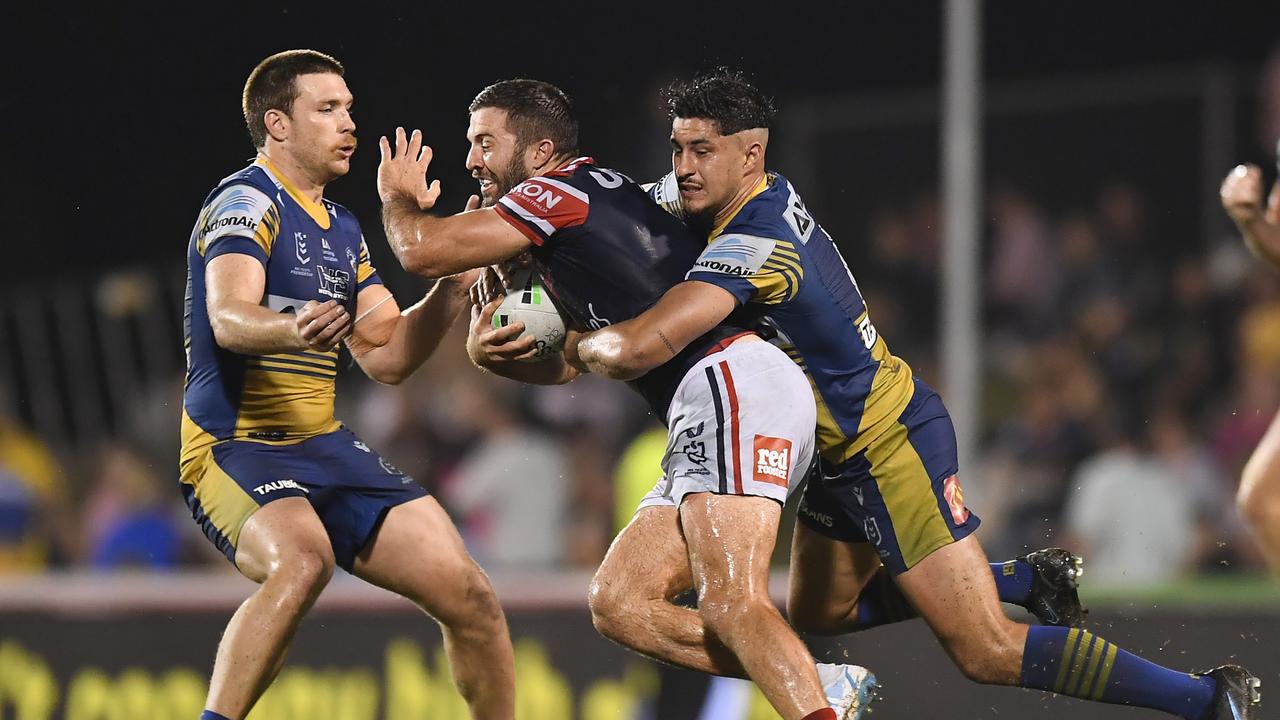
487 345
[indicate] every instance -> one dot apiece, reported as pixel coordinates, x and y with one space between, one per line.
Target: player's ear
754 157
277 124
543 151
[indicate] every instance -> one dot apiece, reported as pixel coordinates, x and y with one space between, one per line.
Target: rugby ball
529 303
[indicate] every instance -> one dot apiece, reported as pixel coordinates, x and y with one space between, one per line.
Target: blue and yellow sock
211 715
881 602
1078 663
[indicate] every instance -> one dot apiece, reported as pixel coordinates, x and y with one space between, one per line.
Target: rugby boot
1053 599
1238 695
850 689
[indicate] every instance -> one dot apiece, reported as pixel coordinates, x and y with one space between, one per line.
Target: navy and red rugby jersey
607 253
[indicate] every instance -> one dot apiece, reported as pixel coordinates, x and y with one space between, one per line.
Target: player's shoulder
777 212
588 176
247 189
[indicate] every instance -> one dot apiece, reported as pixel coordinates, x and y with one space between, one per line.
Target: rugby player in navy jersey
277 278
1259 495
606 252
884 533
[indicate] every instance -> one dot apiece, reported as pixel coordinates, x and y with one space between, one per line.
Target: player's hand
402 174
1242 194
487 344
323 325
486 288
511 271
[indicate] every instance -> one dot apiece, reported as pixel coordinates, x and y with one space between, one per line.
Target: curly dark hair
536 110
724 96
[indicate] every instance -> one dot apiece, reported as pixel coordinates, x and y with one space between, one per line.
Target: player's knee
727 613
305 571
476 607
610 605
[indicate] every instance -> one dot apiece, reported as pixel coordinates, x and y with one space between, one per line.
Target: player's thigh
244 498
648 559
731 540
953 590
1260 482
284 531
417 552
827 576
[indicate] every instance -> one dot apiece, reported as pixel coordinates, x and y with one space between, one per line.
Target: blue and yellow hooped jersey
775 258
310 251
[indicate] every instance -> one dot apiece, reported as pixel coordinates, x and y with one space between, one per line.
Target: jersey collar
759 188
314 209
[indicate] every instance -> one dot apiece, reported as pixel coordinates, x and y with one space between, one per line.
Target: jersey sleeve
366 275
541 206
666 192
240 219
753 269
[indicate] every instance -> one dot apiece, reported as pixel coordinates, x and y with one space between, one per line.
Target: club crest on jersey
954 495
334 283
772 460
300 248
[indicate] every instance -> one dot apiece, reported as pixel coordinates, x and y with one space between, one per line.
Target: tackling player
1259 495
276 274
605 253
888 495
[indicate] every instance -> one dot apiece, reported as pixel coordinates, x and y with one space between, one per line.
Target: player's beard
514 174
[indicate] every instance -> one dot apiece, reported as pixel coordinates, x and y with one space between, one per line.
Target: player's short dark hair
536 111
723 96
272 86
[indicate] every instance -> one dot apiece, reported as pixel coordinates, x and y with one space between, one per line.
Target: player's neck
552 165
745 191
303 183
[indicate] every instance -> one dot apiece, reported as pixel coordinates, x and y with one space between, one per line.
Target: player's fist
487 345
1242 193
323 325
402 173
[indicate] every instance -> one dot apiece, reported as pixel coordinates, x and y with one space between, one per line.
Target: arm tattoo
667 342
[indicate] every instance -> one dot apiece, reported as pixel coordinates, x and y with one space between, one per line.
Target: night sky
121 118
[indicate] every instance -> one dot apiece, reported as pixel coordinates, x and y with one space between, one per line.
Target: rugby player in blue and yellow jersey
886 507
277 278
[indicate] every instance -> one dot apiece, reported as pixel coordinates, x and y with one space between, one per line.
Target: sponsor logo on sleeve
772 460
739 255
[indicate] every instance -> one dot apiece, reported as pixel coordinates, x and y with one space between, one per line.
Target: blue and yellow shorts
901 494
350 486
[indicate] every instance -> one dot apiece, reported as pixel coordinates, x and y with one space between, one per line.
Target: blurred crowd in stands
1126 380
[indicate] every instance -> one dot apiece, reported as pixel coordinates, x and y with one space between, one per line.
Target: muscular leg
1259 495
827 581
284 547
646 567
955 594
417 553
730 541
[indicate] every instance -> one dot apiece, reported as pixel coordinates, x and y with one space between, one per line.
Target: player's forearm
250 329
416 334
417 239
624 351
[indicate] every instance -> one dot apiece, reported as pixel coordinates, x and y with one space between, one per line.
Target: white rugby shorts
741 423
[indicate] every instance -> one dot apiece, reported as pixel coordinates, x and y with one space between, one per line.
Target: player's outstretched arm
234 284
1242 199
498 350
435 246
390 344
629 349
